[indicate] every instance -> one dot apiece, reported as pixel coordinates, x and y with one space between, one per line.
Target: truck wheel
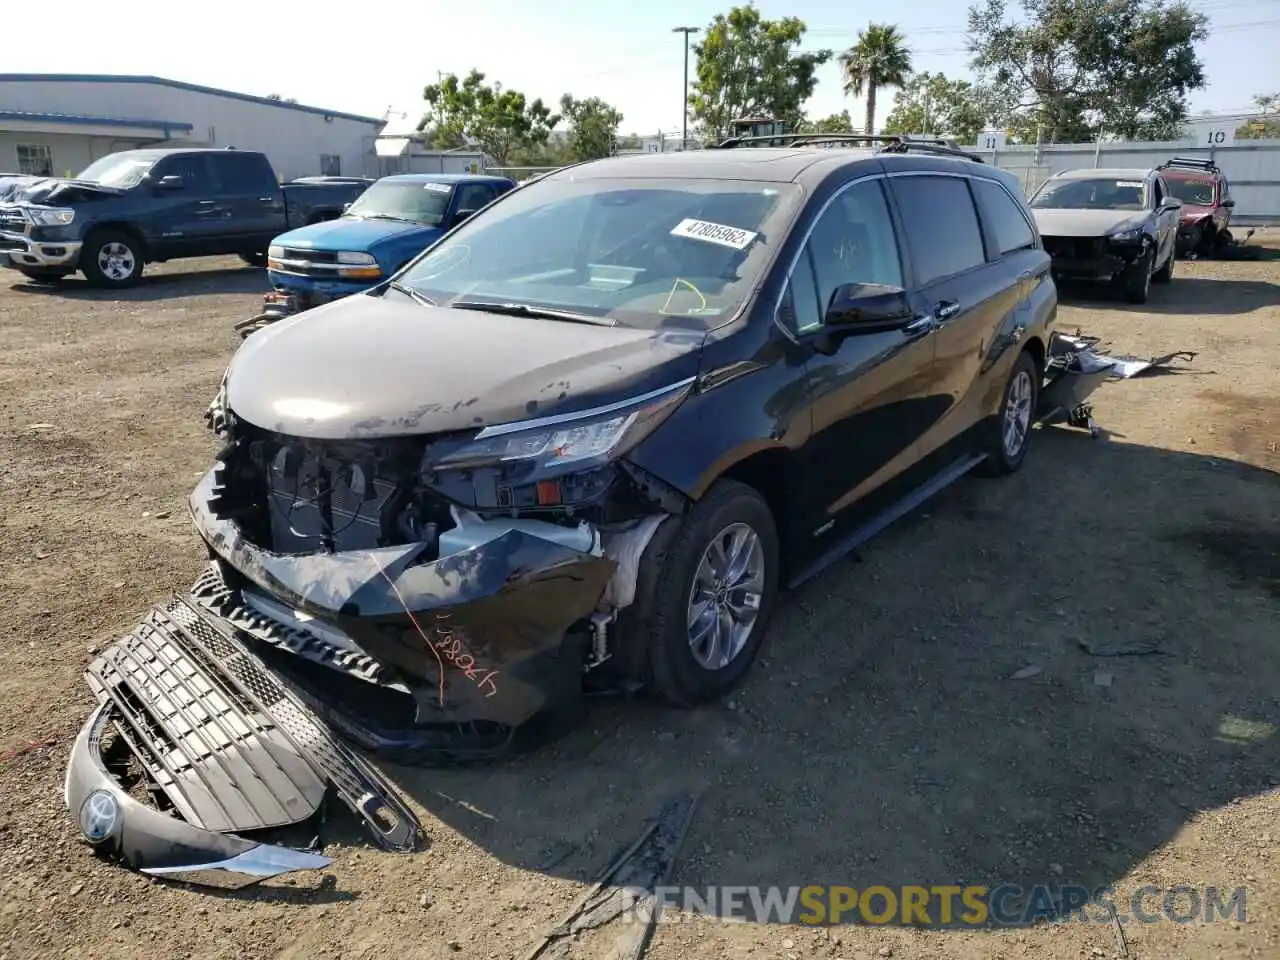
1135 282
255 258
43 274
111 259
706 586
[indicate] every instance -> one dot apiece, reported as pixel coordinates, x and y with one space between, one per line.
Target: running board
901 508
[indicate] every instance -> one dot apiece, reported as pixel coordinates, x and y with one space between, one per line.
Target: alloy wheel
724 600
116 261
1017 414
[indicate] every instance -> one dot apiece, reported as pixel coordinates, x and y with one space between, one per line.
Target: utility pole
684 93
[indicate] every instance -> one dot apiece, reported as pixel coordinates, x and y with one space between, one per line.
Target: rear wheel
44 274
255 258
112 259
1009 436
705 590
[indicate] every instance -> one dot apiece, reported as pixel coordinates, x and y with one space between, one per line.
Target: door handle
946 310
920 326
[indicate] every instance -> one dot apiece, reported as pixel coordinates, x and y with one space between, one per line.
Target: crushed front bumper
1089 258
222 746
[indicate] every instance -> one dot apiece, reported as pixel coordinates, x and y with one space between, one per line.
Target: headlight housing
533 450
348 256
51 216
1129 235
275 252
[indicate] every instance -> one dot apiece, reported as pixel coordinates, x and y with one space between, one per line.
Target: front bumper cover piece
223 746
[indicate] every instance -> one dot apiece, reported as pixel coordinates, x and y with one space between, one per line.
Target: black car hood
367 366
53 188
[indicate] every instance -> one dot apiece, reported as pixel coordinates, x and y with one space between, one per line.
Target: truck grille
315 256
13 220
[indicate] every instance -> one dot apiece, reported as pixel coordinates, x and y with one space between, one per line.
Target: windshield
404 200
1197 192
118 170
1102 193
642 253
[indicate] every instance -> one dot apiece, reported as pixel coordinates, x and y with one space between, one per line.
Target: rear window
244 172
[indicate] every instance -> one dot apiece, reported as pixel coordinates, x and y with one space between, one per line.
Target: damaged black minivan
592 430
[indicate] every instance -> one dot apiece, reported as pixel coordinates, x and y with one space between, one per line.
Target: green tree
1266 125
1077 67
879 59
500 122
751 66
836 123
931 103
593 127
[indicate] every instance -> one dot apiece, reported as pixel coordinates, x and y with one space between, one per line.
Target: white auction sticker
1130 183
436 187
719 233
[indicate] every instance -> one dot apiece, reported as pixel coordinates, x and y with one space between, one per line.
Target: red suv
1206 204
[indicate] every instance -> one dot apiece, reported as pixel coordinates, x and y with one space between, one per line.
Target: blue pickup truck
390 224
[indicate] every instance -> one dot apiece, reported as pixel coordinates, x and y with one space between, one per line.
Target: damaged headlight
1130 235
51 216
575 442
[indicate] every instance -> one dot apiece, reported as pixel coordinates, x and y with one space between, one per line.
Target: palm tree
879 59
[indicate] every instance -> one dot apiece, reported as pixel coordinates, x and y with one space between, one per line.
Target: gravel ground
881 740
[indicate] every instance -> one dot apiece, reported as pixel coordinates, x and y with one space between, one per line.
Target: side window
330 165
1006 219
1224 190
35 159
799 309
941 226
1158 193
473 196
191 168
853 242
243 173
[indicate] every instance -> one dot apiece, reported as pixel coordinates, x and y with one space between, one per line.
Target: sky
627 55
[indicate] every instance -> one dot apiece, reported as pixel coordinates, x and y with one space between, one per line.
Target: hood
351 233
367 366
56 190
1191 212
1085 223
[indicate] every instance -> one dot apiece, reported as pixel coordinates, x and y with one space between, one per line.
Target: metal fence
1252 167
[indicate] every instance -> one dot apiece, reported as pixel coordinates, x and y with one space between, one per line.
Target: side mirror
1227 203
1170 203
857 309
172 182
462 215
346 206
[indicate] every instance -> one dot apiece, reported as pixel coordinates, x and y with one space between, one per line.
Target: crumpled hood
350 233
367 366
53 189
1085 223
1193 212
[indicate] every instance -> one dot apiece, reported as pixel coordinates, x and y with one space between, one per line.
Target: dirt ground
881 740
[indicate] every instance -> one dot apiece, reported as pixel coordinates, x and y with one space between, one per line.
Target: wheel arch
122 226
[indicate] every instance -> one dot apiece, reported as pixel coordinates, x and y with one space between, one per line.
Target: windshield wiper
534 312
411 293
384 216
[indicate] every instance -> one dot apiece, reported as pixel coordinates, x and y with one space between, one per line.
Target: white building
57 124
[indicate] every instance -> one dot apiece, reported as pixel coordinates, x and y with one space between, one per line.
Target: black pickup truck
148 206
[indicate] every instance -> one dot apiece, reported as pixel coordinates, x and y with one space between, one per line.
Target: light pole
684 93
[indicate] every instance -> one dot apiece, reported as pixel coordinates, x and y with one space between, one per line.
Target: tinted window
1007 222
799 309
941 225
191 168
853 242
244 173
1159 191
473 196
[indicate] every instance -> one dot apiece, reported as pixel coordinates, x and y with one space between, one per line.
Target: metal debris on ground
1027 672
1123 647
626 892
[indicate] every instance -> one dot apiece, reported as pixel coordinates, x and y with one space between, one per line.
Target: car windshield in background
415 201
1196 192
119 170
1102 193
640 253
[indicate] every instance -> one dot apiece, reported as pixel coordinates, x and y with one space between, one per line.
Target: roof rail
1191 163
892 143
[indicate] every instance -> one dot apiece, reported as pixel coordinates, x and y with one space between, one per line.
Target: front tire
255 258
111 259
704 594
1009 436
1135 282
